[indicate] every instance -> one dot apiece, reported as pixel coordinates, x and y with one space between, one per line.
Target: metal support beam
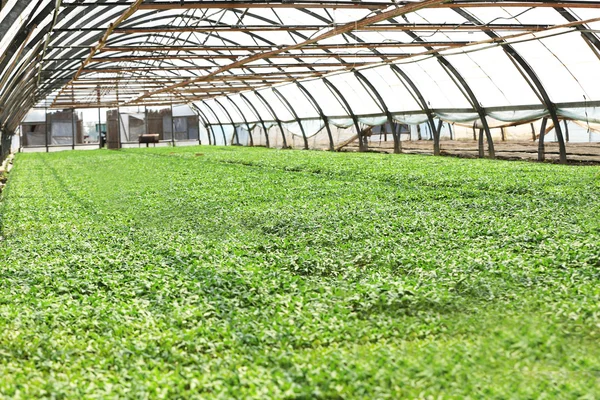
218 121
362 143
46 130
239 110
317 107
235 134
298 121
73 129
339 30
541 147
405 79
526 67
262 122
369 86
272 111
172 127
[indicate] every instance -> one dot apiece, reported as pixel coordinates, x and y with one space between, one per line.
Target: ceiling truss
143 52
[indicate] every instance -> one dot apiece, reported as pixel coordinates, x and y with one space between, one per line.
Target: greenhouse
299 199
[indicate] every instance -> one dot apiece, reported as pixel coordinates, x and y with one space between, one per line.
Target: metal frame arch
235 134
239 110
317 107
365 81
74 53
209 129
480 110
202 117
421 101
253 35
588 35
14 14
287 103
266 103
470 95
107 20
262 122
361 141
218 122
522 62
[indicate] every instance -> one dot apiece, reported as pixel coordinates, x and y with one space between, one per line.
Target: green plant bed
253 273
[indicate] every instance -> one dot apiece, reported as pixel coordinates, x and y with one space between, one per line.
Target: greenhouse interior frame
300 199
493 78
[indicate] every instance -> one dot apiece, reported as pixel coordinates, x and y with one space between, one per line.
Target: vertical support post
541 149
73 118
277 120
436 139
145 121
172 126
488 136
99 128
46 125
262 122
199 126
99 118
566 130
481 150
73 128
118 117
395 136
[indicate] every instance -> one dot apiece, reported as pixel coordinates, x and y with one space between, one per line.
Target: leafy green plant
257 273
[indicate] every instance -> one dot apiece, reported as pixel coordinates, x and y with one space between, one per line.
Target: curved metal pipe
244 118
262 122
266 103
218 121
287 103
362 146
320 111
235 134
363 79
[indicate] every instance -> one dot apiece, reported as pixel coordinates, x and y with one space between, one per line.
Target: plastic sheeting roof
258 61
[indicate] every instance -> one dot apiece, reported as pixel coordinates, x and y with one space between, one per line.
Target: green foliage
255 273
